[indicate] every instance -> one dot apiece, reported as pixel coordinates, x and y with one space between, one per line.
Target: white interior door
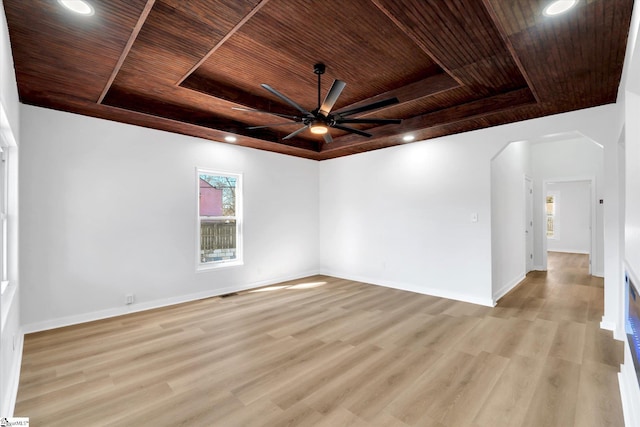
528 186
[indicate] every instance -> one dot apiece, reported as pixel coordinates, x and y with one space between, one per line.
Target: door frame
592 213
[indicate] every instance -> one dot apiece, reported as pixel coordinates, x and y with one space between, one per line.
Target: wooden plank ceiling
181 66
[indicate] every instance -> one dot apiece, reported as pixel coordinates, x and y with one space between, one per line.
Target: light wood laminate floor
330 352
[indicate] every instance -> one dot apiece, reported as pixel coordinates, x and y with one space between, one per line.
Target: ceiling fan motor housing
319 68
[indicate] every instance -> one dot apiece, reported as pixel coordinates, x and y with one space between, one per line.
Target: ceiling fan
321 119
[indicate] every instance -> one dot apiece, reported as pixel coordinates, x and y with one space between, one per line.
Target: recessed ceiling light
559 6
80 7
408 138
230 138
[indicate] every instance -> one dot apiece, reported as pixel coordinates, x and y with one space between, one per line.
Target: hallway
563 308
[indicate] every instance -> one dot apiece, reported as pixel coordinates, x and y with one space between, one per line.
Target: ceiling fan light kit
321 119
318 128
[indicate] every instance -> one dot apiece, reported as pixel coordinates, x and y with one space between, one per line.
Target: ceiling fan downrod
319 69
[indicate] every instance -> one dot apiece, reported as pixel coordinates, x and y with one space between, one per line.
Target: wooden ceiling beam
514 54
427 87
122 99
234 30
406 29
470 110
127 48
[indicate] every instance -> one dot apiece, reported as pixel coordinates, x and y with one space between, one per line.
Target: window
551 212
219 219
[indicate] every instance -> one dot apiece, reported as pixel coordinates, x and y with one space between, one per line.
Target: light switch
474 217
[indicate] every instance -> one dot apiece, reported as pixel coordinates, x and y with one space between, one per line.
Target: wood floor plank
297 415
290 370
509 399
390 382
568 344
555 398
595 409
599 347
252 415
335 393
538 338
460 403
335 352
318 378
427 391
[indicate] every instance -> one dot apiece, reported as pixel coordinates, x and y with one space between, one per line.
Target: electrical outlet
129 299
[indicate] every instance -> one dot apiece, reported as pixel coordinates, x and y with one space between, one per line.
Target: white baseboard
149 305
507 287
9 405
610 325
607 325
539 268
568 251
413 288
629 390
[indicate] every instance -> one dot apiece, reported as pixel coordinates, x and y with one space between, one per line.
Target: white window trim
239 222
8 210
4 238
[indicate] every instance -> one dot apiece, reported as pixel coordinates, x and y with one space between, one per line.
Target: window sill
219 265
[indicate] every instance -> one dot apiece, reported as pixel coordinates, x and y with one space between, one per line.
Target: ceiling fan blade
253 110
292 134
368 107
376 121
332 97
352 130
285 99
327 138
271 125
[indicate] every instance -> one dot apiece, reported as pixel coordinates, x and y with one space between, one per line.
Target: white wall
401 216
572 219
391 216
10 336
561 160
632 202
110 209
629 251
508 240
628 381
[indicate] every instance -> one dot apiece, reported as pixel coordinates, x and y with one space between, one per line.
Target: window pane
551 210
217 195
217 240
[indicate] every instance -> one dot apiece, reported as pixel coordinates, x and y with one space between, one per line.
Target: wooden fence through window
217 235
